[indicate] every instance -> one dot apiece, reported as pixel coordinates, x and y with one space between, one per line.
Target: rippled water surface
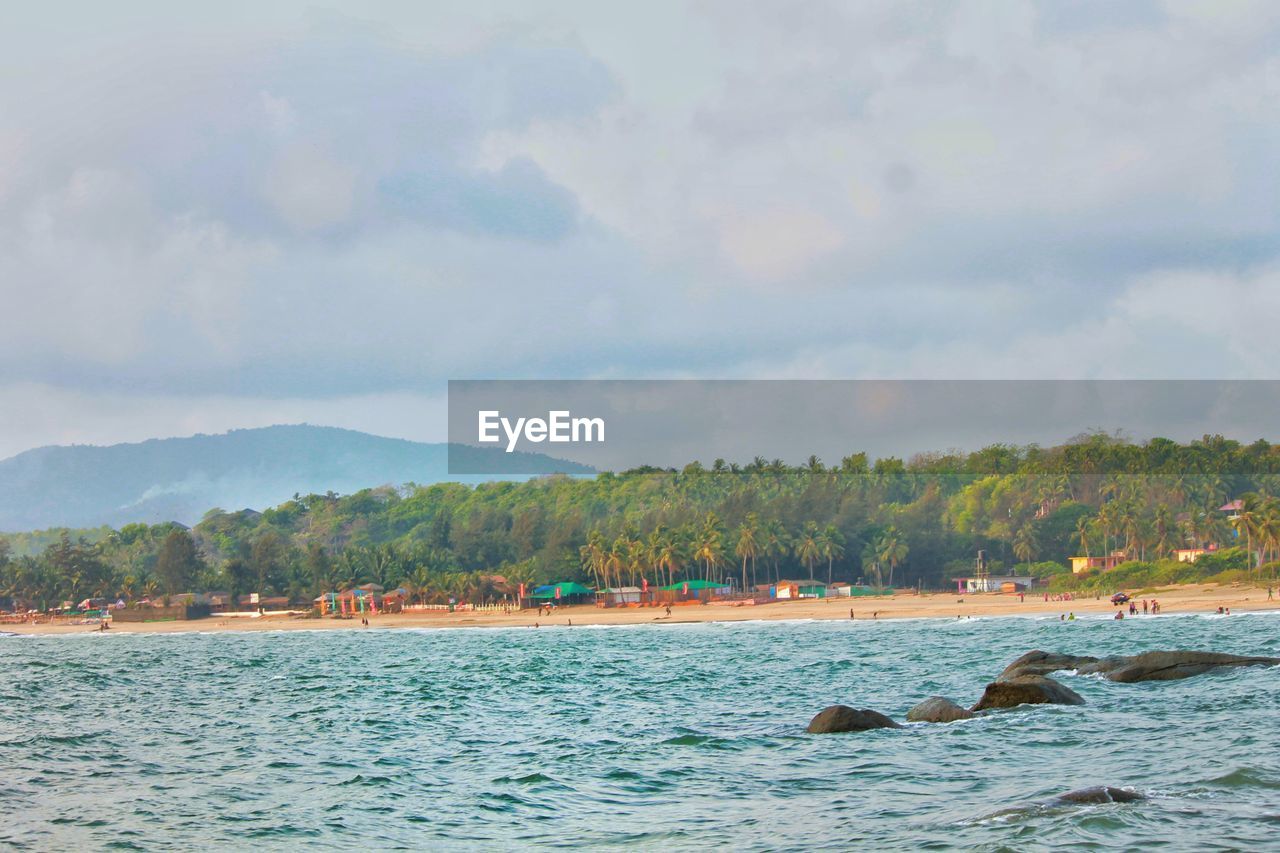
659 737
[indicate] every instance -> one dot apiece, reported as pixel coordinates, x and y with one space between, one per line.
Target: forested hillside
918 522
178 479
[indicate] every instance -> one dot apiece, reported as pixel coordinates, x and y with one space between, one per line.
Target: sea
661 737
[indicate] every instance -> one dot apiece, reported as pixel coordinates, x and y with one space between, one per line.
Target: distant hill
179 479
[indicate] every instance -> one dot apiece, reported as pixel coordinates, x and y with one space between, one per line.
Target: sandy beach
1193 598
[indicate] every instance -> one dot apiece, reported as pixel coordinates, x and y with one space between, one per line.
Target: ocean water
659 737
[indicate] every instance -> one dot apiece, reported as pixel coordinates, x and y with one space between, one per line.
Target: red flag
644 584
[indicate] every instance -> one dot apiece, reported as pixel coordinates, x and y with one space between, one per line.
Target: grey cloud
887 188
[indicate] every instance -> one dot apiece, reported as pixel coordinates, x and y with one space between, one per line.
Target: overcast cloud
232 217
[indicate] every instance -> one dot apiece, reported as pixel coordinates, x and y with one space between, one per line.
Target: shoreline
1188 599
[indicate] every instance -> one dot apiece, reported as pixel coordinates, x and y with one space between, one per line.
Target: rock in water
936 709
1042 663
1026 690
1168 666
842 718
1100 794
1148 666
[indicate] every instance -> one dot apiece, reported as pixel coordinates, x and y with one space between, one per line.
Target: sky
238 214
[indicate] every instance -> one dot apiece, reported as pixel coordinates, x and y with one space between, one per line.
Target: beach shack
812 589
566 592
394 600
788 589
256 601
619 596
1080 565
690 590
996 583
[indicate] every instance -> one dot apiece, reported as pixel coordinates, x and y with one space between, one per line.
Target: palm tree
1106 520
1127 519
614 562
670 557
1246 520
593 557
832 543
892 550
1025 543
871 557
1082 530
1164 525
1270 527
807 547
633 557
776 544
710 544
748 547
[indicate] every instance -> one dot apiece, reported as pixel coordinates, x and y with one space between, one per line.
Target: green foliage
1228 559
899 522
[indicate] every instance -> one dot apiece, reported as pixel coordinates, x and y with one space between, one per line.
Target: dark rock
842 718
1100 794
1148 666
1043 663
936 709
1026 690
1168 666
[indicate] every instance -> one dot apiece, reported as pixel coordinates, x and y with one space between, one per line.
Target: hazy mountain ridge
179 479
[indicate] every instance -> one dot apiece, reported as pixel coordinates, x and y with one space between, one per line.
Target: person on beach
850 612
668 609
1119 614
1144 607
1071 617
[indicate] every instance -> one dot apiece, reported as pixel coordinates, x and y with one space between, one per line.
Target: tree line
889 522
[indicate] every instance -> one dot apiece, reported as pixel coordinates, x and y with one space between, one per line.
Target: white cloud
310 208
310 189
777 245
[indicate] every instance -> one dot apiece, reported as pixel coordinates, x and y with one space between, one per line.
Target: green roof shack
566 592
688 590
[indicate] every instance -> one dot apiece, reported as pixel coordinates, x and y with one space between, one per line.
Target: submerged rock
937 709
842 718
1043 663
1100 794
1026 690
1147 666
1168 666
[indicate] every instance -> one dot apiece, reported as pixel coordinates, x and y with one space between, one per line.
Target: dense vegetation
918 522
